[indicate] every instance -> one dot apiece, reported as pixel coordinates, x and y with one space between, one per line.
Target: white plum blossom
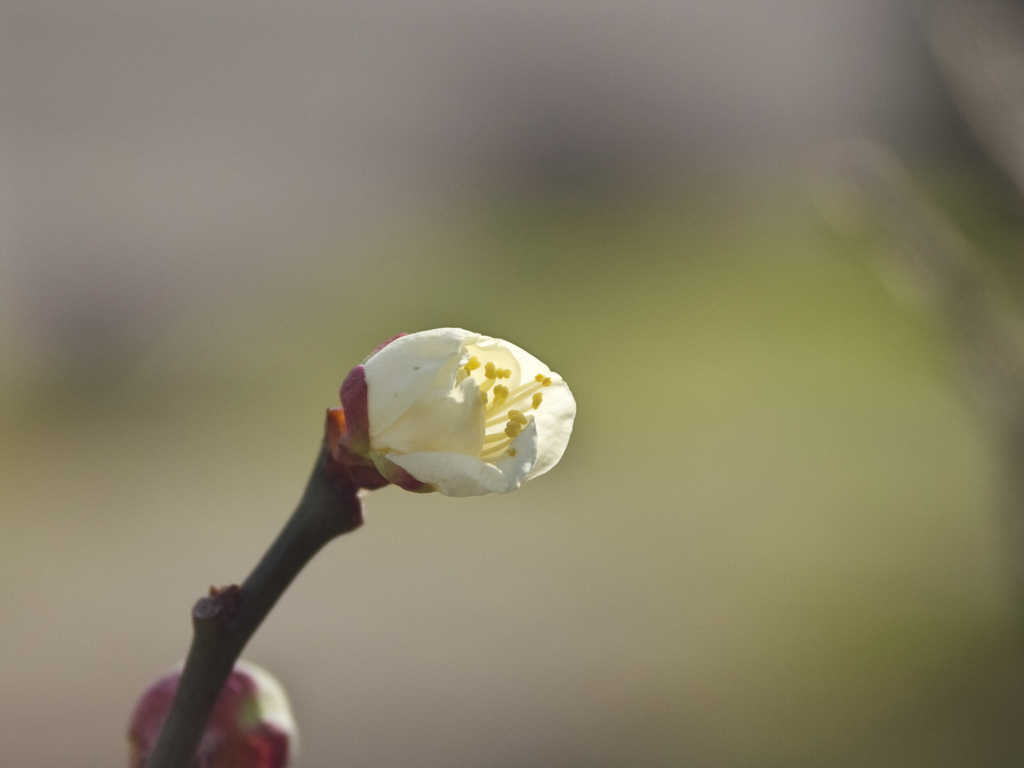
457 412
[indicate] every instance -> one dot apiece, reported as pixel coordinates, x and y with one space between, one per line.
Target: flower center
502 421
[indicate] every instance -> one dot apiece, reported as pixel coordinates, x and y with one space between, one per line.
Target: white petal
526 445
444 419
406 369
455 474
554 421
505 354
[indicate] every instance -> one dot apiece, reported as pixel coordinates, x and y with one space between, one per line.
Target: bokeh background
780 535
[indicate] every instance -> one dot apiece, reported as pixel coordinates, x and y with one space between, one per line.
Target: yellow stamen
500 394
495 453
522 393
494 413
491 451
503 423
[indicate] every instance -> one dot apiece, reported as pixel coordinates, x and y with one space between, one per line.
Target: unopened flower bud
251 725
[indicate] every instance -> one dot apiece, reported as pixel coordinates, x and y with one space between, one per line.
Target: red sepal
356 437
347 467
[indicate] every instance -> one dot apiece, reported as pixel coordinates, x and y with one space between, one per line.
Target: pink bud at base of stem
251 724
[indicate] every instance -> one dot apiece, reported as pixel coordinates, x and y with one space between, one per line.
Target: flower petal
398 476
408 368
455 474
444 419
554 421
524 365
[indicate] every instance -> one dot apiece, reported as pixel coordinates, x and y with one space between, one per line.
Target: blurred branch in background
980 50
870 194
979 47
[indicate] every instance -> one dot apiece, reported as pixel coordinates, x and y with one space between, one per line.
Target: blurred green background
777 537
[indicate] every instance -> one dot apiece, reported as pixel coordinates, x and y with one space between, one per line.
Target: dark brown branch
224 621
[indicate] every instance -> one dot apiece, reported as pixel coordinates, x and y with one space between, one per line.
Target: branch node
218 606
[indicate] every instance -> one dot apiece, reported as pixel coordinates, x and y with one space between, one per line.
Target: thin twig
867 184
224 621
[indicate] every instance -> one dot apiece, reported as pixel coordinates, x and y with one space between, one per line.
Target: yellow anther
473 364
507 373
539 378
538 398
483 395
512 452
500 394
490 372
546 382
512 429
514 415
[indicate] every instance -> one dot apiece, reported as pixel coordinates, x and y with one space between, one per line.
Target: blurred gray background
778 536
